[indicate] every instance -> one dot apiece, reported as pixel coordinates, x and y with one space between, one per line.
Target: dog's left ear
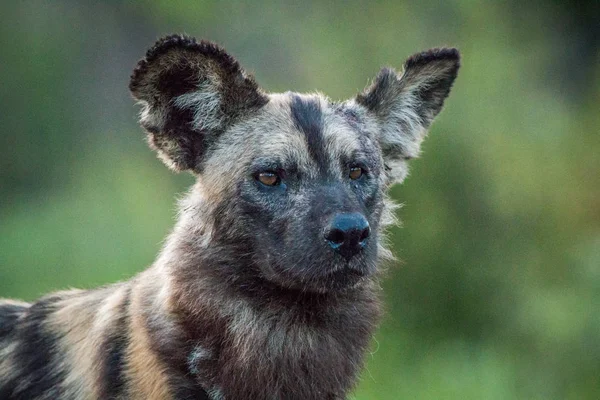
191 91
405 104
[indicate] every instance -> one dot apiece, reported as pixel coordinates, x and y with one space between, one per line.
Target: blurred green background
497 295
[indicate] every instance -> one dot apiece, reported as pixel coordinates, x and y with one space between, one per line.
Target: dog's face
305 183
297 182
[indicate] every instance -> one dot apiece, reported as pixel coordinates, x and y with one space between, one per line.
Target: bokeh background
497 294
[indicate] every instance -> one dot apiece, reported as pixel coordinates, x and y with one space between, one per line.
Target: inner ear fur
190 92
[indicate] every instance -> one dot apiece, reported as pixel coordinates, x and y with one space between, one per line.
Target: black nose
347 233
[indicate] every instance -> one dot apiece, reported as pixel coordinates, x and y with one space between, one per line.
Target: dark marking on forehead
308 118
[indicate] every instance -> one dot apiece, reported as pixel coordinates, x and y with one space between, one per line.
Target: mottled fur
246 300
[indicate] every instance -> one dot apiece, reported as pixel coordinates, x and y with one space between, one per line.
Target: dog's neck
248 338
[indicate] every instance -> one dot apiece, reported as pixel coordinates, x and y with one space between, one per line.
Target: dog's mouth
343 278
321 278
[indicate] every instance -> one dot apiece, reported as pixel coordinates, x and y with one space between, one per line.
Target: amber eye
268 178
355 173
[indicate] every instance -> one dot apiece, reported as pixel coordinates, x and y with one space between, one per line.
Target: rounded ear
405 104
190 92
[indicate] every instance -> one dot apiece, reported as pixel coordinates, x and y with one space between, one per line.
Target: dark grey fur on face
251 296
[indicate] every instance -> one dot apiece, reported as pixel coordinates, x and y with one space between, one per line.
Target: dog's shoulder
10 312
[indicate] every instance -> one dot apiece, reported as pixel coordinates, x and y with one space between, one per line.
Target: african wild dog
267 288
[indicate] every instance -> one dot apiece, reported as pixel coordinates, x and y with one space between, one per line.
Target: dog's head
297 183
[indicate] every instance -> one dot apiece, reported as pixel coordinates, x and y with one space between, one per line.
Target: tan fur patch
147 377
82 320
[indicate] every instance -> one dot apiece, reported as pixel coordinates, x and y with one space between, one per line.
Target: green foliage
497 290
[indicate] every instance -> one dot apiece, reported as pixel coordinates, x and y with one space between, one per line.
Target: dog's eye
355 173
269 178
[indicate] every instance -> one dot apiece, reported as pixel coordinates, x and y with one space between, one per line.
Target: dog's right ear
190 92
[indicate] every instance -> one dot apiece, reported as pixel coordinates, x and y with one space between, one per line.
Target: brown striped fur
247 299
